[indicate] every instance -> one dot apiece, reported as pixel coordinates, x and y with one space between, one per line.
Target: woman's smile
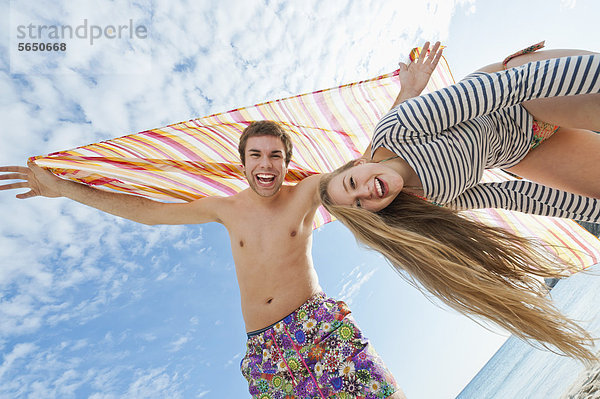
381 187
371 186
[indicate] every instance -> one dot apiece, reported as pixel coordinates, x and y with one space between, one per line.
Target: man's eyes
254 155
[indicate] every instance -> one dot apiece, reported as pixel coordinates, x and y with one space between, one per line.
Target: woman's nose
365 192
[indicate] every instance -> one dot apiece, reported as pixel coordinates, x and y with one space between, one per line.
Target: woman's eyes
353 186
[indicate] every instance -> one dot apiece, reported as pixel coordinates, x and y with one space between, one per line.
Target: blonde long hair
476 269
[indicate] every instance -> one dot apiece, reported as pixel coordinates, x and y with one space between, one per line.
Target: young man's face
265 166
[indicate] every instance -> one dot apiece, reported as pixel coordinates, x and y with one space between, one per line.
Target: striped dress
452 135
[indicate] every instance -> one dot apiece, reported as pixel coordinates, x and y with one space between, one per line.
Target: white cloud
161 276
98 395
155 383
18 352
68 382
234 359
352 283
176 345
149 337
105 380
79 345
80 237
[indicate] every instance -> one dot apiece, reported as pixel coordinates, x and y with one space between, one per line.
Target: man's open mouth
265 178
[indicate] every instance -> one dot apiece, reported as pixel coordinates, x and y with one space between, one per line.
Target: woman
425 162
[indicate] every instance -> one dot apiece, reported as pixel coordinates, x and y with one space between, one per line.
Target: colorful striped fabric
197 158
562 237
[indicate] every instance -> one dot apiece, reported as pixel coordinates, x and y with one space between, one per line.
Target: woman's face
367 185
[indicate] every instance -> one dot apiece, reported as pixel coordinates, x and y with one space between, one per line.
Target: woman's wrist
404 95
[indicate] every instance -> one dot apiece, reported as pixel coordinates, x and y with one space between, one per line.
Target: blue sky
95 306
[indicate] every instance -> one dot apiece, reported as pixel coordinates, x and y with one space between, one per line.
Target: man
300 343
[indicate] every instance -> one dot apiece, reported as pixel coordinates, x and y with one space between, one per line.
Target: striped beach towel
197 158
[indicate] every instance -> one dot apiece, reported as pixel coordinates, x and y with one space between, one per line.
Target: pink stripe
304 363
308 113
144 144
321 104
224 140
218 186
317 91
358 103
202 137
283 358
298 122
581 244
564 244
301 154
171 143
364 92
91 149
112 147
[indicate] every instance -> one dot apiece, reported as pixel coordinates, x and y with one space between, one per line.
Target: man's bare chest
267 231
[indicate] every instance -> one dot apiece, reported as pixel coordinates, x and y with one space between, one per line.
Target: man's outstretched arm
138 209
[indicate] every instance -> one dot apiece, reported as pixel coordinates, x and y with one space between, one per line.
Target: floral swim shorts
542 131
315 352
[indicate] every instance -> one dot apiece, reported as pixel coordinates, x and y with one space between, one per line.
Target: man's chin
265 191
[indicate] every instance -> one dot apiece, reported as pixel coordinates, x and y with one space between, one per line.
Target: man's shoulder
307 189
309 183
219 205
232 200
223 208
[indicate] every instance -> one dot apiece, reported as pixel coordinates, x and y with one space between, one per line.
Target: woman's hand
415 76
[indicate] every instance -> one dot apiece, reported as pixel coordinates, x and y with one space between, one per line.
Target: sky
93 306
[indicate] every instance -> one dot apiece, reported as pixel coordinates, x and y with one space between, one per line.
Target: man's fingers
11 176
14 185
18 169
26 195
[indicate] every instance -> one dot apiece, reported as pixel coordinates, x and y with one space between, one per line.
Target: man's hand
415 76
39 181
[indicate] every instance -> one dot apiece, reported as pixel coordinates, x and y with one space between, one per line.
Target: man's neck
262 200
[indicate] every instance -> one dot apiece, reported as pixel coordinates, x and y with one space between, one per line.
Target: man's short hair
265 128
